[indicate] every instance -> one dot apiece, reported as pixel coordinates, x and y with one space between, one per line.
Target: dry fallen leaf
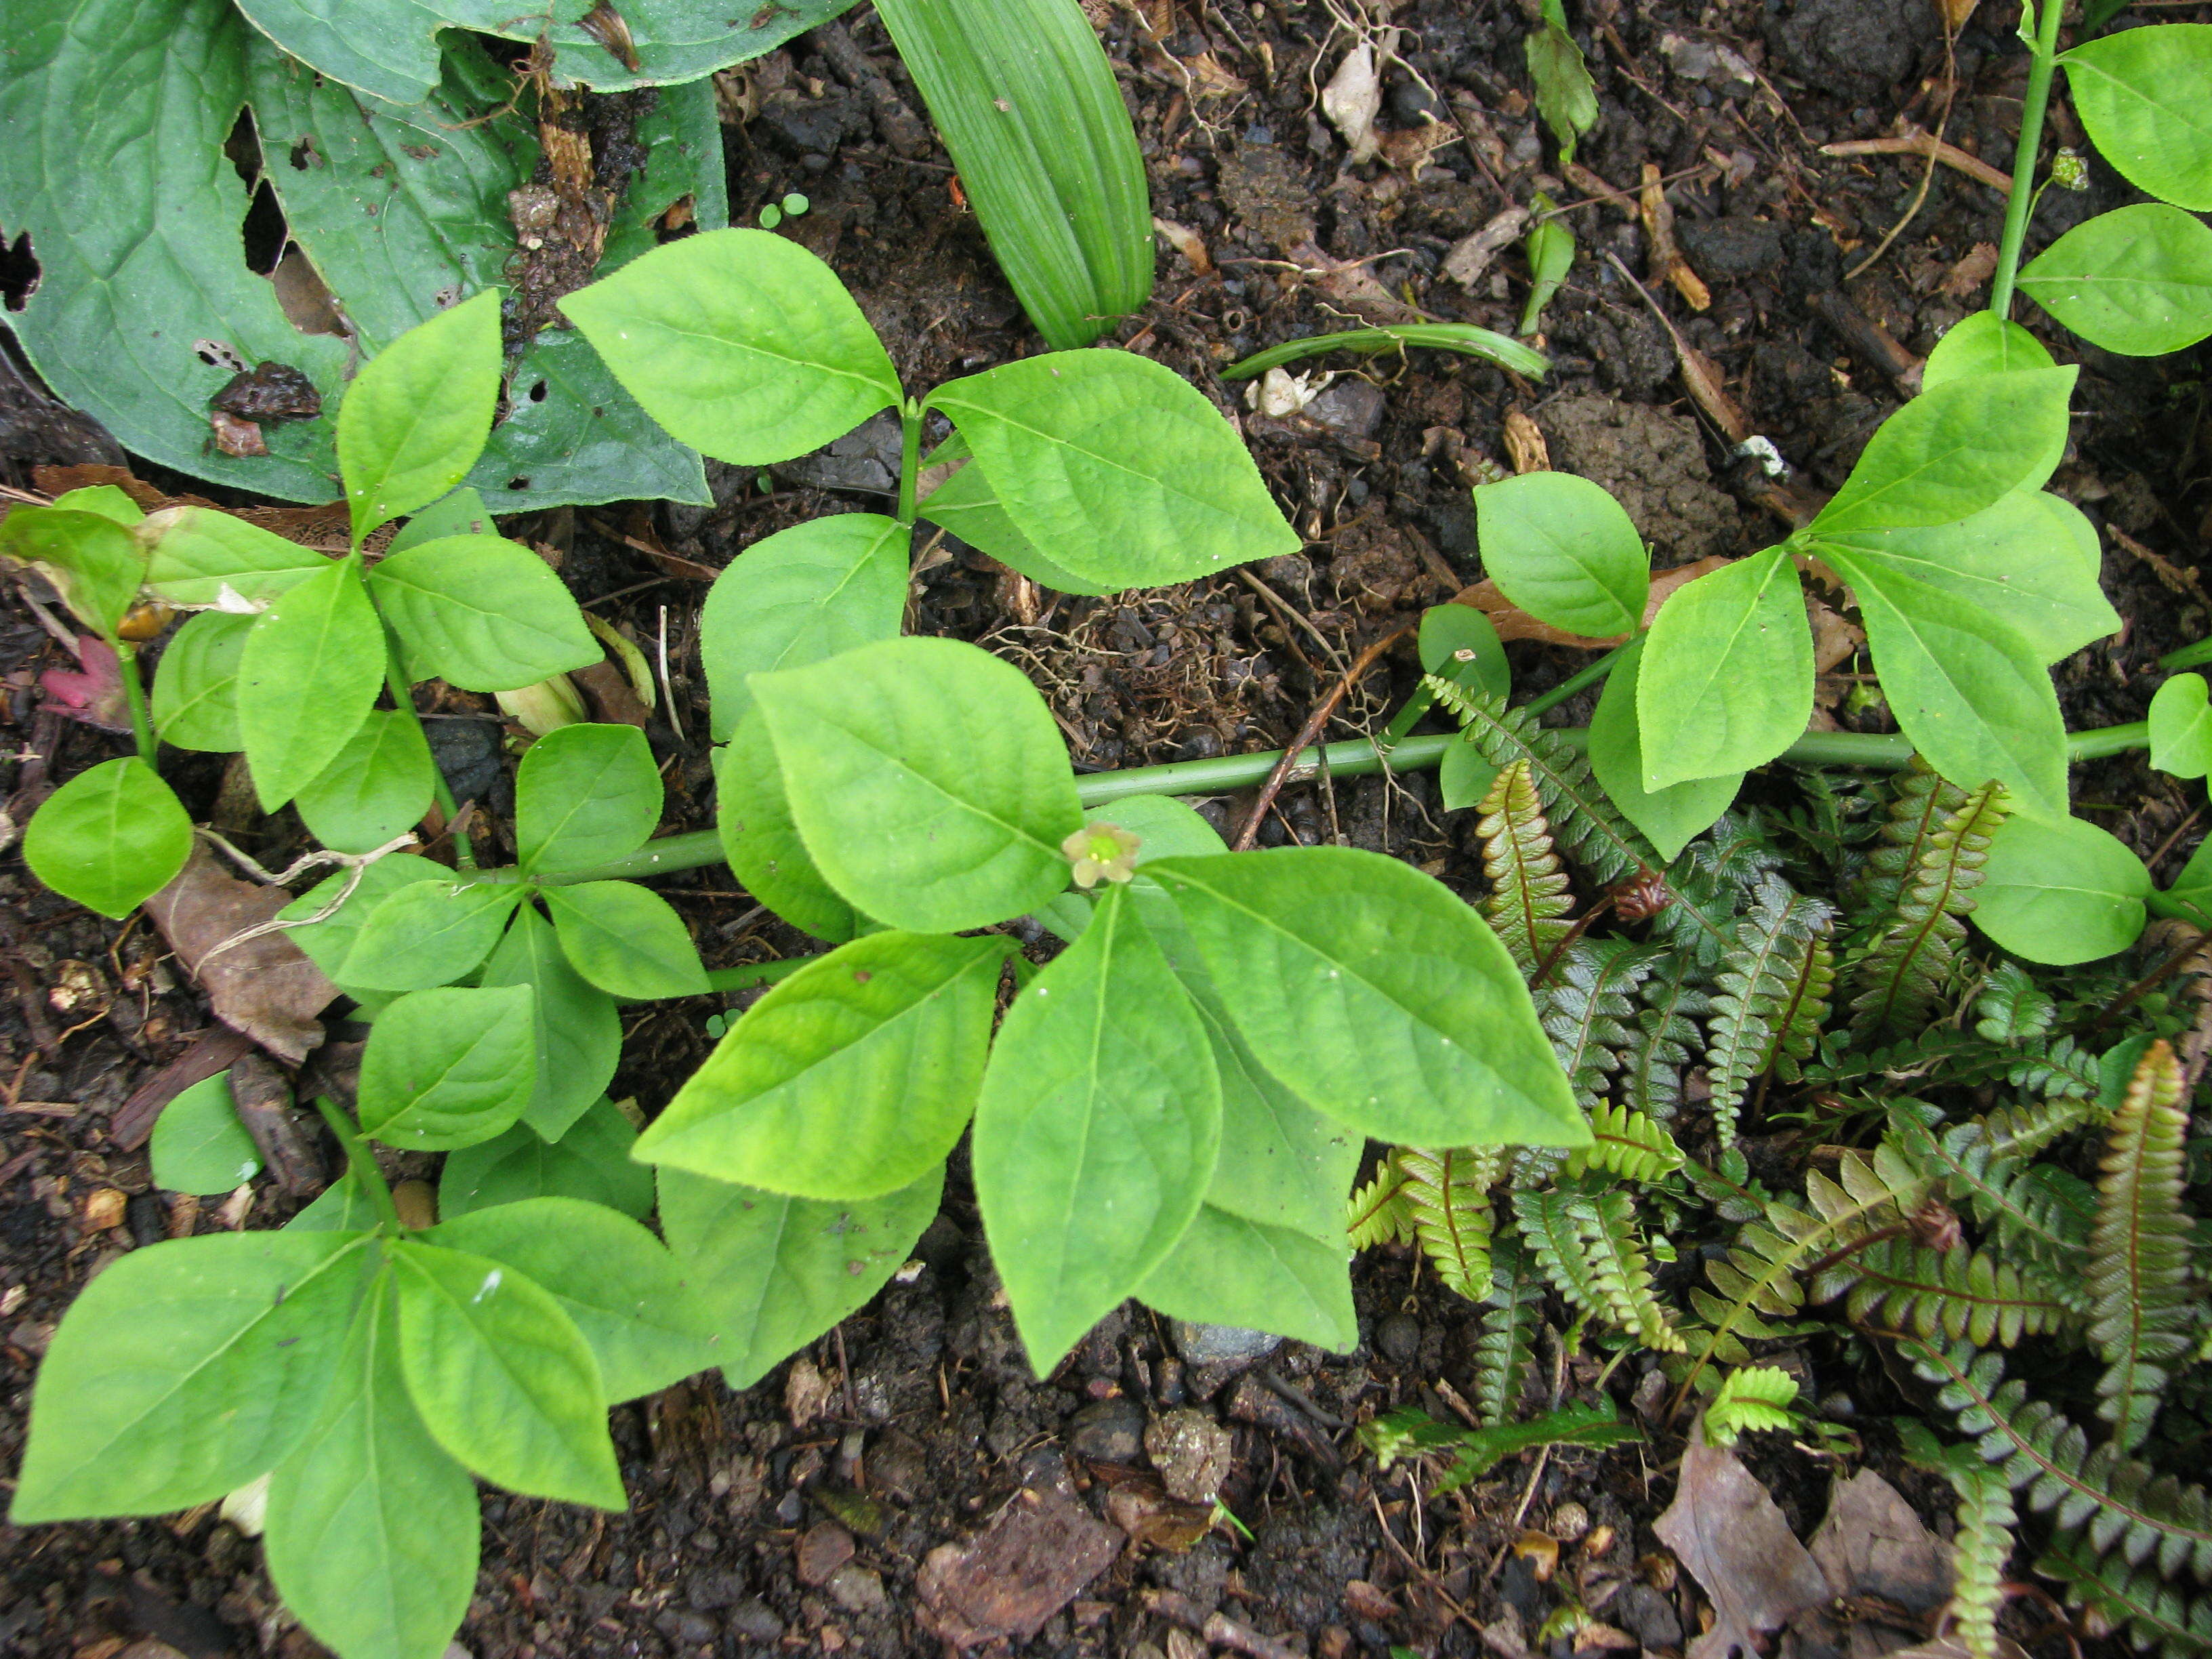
1470 257
1876 1554
1733 1539
1524 443
265 987
1351 100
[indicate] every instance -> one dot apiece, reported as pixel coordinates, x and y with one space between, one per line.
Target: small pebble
1108 1431
1399 1339
1192 1453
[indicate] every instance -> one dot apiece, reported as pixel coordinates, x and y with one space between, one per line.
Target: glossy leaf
741 343
849 1079
1953 451
775 1272
196 684
416 416
1228 1271
198 1145
2181 728
761 843
2143 95
585 794
1725 681
2060 891
1377 995
109 838
94 563
308 676
2137 280
375 789
1562 548
1981 344
449 1068
626 939
203 555
1671 817
798 597
590 1161
427 933
1116 467
929 780
481 613
576 1029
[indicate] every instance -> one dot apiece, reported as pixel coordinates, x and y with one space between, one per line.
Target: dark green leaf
590 1161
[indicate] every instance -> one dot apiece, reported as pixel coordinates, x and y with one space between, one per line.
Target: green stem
360 1162
755 975
909 457
2042 62
134 693
1567 687
403 698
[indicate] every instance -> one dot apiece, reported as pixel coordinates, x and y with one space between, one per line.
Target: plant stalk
134 694
2043 64
361 1163
909 476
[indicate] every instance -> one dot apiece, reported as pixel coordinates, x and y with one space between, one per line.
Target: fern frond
2152 1611
1446 1196
1755 1397
1729 1187
1626 1144
1769 991
2029 1215
2139 1277
2012 1007
1941 1055
1586 1244
1511 1315
1904 967
1918 806
1528 901
1585 1006
1376 1213
1712 880
1665 1032
1983 1543
1949 1294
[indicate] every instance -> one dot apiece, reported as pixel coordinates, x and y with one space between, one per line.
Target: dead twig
1308 733
1918 141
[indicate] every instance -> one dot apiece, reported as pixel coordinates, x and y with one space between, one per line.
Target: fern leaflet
2139 1277
1511 1315
1651 1073
1446 1196
1376 1214
1905 966
1769 994
1585 1006
1586 1244
1528 899
1626 1144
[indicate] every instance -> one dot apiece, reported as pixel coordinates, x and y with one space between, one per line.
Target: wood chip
1667 264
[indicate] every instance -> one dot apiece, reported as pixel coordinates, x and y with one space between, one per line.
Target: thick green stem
134 694
909 457
1567 687
755 975
2042 62
362 1162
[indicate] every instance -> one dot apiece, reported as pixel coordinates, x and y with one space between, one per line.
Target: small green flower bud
2069 170
1102 852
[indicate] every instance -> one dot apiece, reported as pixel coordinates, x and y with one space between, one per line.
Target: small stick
1918 141
1311 729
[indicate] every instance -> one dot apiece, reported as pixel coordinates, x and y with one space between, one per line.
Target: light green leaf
796 597
376 788
626 939
1966 689
203 555
776 1273
2181 728
481 613
577 1032
108 500
966 505
195 684
761 843
929 780
1096 1132
449 1068
1448 629
372 1529
1563 549
1565 96
1951 452
1225 1270
1673 817
585 794
343 1207
1377 995
2145 95
1116 467
329 942
93 563
461 513
416 417
1165 829
109 838
502 1377
590 1161
2137 280
199 1147
2190 896
742 344
309 673
629 1298
183 1371
427 934
849 1079
2060 891
1725 681
1984 343
1463 777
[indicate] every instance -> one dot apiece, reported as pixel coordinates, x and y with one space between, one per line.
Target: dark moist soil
795 1516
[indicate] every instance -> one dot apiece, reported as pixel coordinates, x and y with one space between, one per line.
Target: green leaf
1448 629
776 1273
929 780
1726 684
1377 995
502 1377
427 933
1165 829
1029 107
2190 896
109 838
966 505
108 500
1565 95
203 555
1225 1270
796 597
2060 891
199 1146
577 1031
626 939
343 1207
375 789
1463 337
1951 452
449 1068
590 1161
2030 563
461 513
309 673
1984 343
1562 548
1968 690
328 943
761 843
416 417
1092 1152
1673 817
195 684
585 794
183 1371
2143 94
740 343
1463 777
1116 466
481 613
2181 728
2137 280
93 563
372 1529
629 1298
849 1079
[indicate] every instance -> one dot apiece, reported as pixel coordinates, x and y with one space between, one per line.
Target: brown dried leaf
1729 1534
1872 1544
1352 98
1667 264
1513 622
1470 257
265 987
1524 443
